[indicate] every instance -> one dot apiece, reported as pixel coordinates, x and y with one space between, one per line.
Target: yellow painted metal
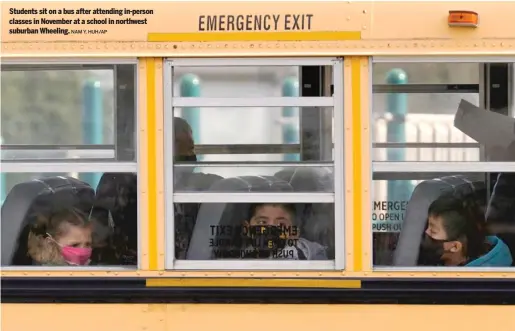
254 36
220 317
256 282
334 28
412 34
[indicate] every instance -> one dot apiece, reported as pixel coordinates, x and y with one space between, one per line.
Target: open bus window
249 145
414 105
438 199
68 184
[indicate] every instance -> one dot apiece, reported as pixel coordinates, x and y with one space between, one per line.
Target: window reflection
278 231
458 220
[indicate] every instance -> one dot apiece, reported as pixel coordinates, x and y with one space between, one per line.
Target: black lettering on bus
211 23
390 205
230 23
297 22
250 22
221 23
201 22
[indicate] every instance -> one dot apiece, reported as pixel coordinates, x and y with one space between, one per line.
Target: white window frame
437 166
46 167
71 153
444 167
180 102
336 101
77 165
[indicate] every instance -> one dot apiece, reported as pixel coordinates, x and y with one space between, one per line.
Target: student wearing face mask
62 239
455 236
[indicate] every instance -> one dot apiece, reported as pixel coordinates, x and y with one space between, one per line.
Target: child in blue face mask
455 236
60 240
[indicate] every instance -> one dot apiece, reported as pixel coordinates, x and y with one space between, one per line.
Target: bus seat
116 210
501 209
415 218
197 181
217 214
316 221
37 196
304 179
186 214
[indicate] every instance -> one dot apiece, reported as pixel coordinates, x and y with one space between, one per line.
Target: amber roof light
463 18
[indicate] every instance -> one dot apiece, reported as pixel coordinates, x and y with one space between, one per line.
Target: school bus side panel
162 317
325 28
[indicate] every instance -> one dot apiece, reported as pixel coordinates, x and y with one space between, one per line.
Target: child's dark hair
289 207
463 220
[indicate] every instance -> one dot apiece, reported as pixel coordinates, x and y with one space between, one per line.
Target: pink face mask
76 255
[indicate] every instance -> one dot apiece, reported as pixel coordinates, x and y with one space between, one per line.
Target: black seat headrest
116 201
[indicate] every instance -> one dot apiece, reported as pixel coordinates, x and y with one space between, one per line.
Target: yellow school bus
377 135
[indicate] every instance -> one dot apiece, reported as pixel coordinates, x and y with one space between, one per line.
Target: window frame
336 102
81 165
386 168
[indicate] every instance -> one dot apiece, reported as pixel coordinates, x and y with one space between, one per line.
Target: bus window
463 219
413 110
437 199
255 168
278 231
69 183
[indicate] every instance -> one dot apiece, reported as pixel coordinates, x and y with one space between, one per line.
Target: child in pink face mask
61 240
